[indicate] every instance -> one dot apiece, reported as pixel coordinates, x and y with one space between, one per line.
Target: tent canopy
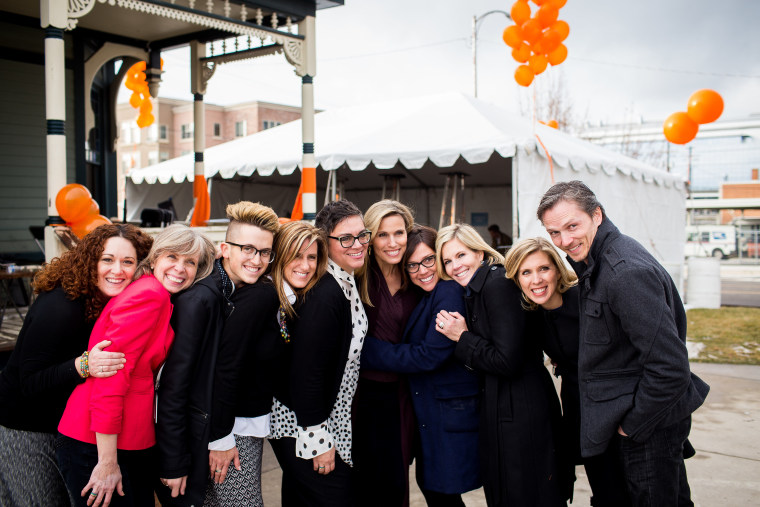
450 131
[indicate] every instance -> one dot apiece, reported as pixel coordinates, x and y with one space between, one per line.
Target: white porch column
308 163
53 18
198 88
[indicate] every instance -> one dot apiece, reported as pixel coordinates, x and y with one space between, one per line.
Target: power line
660 69
392 51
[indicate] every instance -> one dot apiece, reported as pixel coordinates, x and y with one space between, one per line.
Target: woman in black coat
519 407
311 417
549 288
48 363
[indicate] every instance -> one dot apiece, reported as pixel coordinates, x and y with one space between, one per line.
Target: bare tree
552 102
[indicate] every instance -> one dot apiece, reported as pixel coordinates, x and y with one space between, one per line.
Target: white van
710 240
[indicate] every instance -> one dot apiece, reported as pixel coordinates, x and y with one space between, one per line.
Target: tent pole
443 201
515 208
452 218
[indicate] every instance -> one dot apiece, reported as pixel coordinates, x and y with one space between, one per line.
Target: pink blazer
137 322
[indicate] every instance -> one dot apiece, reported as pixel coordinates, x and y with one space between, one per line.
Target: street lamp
475 21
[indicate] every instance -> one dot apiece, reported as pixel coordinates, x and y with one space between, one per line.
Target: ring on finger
440 325
92 493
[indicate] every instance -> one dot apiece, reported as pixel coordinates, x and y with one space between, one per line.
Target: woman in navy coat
444 393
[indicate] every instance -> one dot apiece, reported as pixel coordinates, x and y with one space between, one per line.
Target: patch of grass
729 335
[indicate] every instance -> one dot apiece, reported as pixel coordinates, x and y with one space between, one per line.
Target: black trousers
380 472
303 487
138 473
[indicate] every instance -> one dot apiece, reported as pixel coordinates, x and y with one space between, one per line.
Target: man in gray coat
637 392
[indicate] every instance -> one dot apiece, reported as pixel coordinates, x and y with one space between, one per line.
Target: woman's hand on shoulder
106 476
105 364
325 462
450 324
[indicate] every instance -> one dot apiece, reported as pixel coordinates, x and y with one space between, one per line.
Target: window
126 133
240 128
126 162
217 130
163 133
269 124
152 133
163 156
152 157
187 130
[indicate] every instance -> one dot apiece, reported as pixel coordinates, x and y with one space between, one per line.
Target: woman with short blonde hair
470 238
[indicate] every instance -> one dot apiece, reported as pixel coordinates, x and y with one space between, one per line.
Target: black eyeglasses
250 251
347 240
428 262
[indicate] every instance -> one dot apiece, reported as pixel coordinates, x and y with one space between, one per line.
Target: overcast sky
627 58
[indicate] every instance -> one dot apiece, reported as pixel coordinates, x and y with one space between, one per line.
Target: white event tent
410 146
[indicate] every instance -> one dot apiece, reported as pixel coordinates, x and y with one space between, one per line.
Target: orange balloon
562 28
524 75
537 64
512 36
553 124
547 15
135 100
94 207
85 226
539 2
705 106
520 12
522 53
679 128
73 202
558 55
146 106
531 31
559 3
550 41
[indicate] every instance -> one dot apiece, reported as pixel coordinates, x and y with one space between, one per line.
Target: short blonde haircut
181 240
528 246
372 220
470 238
252 213
287 243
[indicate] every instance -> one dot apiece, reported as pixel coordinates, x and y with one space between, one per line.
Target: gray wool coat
633 365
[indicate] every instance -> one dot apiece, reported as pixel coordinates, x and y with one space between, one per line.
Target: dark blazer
444 393
250 359
519 406
186 387
320 338
40 374
633 365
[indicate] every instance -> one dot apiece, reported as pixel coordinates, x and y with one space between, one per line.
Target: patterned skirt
29 473
240 487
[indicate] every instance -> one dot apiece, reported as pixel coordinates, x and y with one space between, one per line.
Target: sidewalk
725 432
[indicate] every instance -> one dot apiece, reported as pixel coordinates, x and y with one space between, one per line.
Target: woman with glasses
444 392
383 413
249 360
312 432
519 405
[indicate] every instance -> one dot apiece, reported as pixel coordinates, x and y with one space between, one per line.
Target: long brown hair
76 271
287 243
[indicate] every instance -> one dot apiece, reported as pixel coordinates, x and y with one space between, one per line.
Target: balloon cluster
704 106
140 99
536 41
80 211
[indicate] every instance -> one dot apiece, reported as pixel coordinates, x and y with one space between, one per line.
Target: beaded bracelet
84 365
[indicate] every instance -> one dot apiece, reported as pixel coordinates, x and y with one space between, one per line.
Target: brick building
171 135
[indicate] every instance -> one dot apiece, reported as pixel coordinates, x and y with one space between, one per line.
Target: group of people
357 346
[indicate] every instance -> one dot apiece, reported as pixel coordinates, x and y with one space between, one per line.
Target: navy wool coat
444 393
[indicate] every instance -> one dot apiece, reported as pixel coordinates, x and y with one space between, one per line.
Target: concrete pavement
725 432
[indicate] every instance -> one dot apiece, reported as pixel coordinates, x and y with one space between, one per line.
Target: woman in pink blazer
107 432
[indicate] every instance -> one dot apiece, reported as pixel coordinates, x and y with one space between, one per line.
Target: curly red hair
76 271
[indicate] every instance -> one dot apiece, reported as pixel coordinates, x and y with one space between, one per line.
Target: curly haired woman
48 363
